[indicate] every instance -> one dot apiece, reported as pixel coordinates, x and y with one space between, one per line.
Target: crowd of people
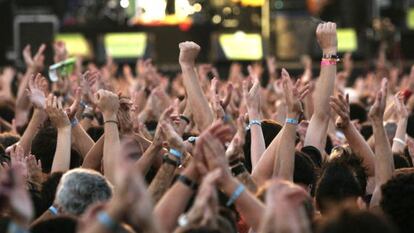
137 151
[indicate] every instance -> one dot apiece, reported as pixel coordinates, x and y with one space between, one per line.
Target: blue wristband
236 194
107 221
53 210
176 153
292 121
74 122
192 139
254 122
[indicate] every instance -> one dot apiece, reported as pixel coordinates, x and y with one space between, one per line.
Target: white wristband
399 140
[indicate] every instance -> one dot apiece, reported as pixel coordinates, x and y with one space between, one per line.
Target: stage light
197 7
124 3
216 19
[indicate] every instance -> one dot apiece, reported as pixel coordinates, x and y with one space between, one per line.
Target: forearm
397 145
249 207
39 116
81 140
161 181
93 158
61 160
111 147
147 159
285 164
203 117
264 168
361 148
22 100
318 126
257 146
245 178
174 202
384 162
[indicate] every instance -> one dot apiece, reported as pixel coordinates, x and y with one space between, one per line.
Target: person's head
79 188
397 200
400 161
7 110
304 171
356 221
59 224
337 184
270 129
44 146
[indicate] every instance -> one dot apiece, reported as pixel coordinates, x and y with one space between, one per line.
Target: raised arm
285 162
93 158
355 140
252 100
59 119
399 141
203 115
108 103
384 161
36 92
318 126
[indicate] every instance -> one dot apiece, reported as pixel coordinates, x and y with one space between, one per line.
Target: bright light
124 3
239 35
216 19
197 7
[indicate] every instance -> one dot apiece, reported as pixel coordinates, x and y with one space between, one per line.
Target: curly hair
397 200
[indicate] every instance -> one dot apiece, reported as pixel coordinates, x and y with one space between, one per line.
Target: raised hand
327 39
108 103
37 91
235 149
13 189
34 169
293 95
252 97
401 109
341 106
60 51
188 52
56 113
376 113
73 109
17 158
35 63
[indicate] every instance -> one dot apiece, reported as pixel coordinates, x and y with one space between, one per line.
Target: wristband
53 210
107 221
176 153
184 118
399 140
74 122
166 159
325 62
253 122
192 139
15 228
236 194
83 104
237 170
111 121
188 182
226 118
87 115
292 121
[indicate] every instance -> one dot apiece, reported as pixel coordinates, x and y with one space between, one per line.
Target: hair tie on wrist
235 195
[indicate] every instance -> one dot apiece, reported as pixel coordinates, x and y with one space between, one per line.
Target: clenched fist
188 52
326 35
108 103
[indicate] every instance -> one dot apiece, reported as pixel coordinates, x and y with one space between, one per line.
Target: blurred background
227 30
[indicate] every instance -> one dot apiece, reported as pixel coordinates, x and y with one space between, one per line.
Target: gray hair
79 188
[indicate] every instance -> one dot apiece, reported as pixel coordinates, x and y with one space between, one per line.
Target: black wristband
237 170
166 159
234 162
188 182
87 115
184 118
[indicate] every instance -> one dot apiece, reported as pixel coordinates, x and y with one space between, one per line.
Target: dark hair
356 221
270 129
60 224
400 161
49 187
201 230
8 139
397 200
357 112
7 110
305 169
44 146
366 131
95 132
337 183
410 125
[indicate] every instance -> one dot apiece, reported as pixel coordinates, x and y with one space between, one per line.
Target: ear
361 203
